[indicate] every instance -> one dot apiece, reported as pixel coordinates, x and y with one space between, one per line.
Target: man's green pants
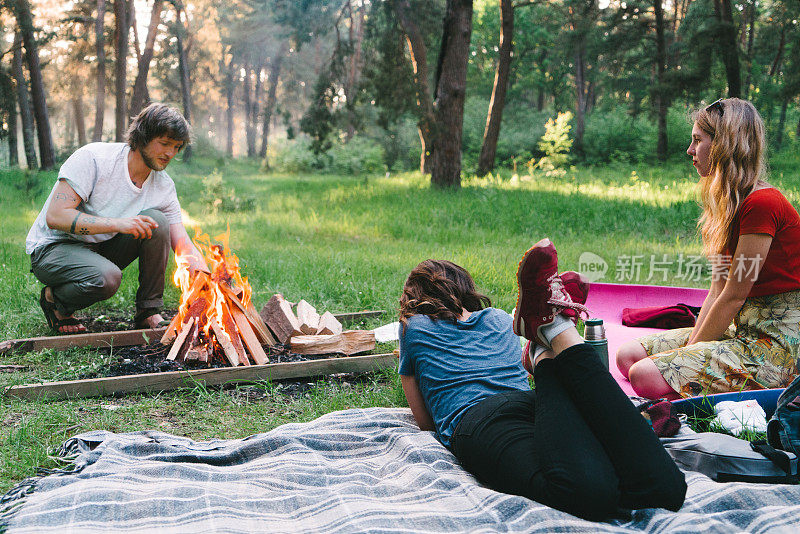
81 274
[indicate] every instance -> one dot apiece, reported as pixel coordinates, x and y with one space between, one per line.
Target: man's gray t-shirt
98 172
457 364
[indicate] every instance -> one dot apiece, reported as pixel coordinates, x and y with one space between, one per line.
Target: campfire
216 318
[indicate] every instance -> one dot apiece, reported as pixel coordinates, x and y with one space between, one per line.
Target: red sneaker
526 357
577 286
541 292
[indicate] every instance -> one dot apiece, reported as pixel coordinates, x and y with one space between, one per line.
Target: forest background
368 86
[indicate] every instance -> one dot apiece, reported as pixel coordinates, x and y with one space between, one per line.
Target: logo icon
592 266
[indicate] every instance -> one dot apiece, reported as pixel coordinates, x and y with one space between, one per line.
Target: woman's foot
542 296
60 323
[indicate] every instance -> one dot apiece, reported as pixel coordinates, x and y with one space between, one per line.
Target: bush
360 155
220 198
555 143
613 135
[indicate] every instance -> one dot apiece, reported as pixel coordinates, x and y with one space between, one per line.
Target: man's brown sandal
56 324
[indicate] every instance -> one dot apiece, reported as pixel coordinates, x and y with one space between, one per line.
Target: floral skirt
760 350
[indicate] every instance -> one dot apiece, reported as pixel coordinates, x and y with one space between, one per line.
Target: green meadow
343 243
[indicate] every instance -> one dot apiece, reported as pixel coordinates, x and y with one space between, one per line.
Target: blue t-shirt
458 364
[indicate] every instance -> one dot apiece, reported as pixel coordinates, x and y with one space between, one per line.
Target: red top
767 211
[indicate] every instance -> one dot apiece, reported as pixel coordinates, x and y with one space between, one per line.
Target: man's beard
151 163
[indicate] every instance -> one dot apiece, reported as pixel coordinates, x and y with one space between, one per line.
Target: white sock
537 351
560 323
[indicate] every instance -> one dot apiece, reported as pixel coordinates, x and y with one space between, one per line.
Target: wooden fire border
155 382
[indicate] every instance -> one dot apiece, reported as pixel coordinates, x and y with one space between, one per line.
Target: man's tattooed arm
90 224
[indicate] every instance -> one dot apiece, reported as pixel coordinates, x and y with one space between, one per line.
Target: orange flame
224 266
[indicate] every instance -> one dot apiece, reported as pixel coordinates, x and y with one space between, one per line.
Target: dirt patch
114 321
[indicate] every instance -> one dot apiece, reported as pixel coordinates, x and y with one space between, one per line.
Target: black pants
576 443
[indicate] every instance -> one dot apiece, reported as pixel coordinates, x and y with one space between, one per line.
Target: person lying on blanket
751 235
112 203
576 443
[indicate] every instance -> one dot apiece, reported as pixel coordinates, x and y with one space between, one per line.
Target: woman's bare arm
746 265
417 403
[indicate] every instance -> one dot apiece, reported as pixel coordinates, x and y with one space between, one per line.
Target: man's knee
101 282
162 232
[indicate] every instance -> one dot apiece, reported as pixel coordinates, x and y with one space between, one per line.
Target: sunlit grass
342 243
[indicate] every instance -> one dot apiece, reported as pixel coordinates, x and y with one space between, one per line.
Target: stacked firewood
305 331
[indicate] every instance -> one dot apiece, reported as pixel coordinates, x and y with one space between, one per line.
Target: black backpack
783 429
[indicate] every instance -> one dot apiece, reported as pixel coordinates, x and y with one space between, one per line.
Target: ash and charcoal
114 322
152 358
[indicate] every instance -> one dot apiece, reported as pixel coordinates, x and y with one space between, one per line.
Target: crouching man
112 203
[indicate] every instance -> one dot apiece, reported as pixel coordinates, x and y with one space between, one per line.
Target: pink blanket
606 301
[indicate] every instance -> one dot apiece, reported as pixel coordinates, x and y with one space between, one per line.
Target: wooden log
348 342
225 343
328 324
279 317
308 318
123 338
196 288
350 317
155 382
249 337
230 327
260 329
179 346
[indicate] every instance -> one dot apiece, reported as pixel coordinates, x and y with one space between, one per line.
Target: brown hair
157 120
439 289
737 163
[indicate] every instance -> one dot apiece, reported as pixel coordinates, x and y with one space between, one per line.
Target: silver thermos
595 335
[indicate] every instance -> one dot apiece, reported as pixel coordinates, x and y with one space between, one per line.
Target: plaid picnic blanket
350 471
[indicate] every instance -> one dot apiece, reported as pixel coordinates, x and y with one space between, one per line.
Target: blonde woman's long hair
737 163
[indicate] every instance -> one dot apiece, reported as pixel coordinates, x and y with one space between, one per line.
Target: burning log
216 315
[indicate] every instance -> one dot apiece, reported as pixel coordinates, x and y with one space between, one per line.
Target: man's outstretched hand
140 227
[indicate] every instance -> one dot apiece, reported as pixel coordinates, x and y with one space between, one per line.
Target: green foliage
360 155
555 144
218 197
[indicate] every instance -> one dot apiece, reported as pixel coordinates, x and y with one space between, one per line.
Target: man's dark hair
157 120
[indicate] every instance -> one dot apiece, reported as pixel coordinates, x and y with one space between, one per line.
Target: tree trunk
229 88
580 96
22 12
779 54
248 111
450 94
660 98
140 93
25 111
121 68
183 67
728 47
11 121
781 124
80 124
100 96
357 23
419 61
493 120
255 110
269 104
751 21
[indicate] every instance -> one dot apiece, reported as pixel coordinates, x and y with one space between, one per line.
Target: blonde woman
747 334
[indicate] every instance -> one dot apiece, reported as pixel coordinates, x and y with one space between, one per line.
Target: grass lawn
342 243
